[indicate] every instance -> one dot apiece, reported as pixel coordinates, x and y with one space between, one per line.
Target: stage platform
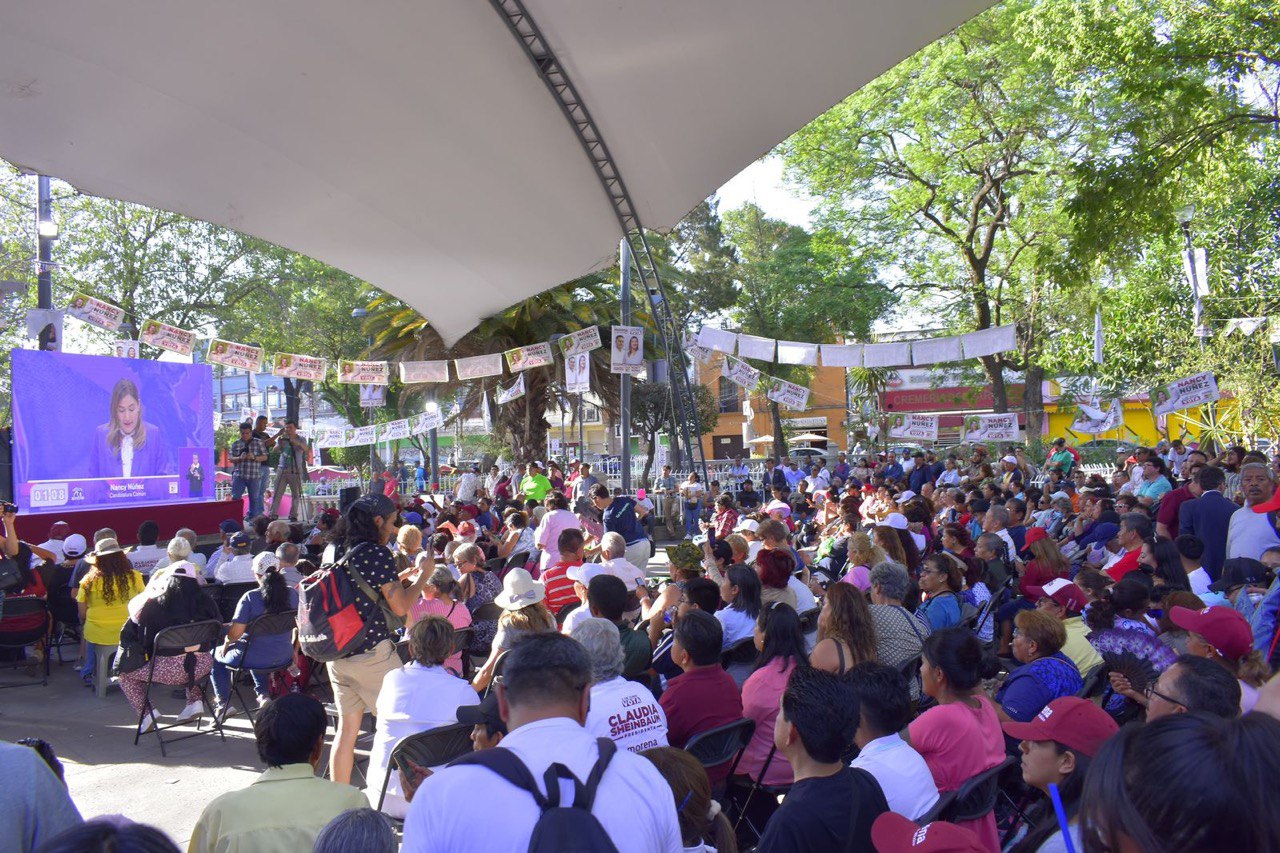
202 517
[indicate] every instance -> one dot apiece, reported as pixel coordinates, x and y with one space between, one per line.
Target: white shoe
223 711
150 721
189 713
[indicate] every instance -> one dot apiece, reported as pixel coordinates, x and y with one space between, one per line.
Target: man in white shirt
1251 531
58 532
884 709
621 710
228 529
146 554
996 521
543 697
739 473
468 485
238 568
613 549
581 577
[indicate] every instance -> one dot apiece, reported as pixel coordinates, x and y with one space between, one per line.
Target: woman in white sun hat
523 613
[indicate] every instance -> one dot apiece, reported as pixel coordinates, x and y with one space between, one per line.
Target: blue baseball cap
230 526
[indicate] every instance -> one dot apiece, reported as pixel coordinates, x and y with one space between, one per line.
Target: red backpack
330 626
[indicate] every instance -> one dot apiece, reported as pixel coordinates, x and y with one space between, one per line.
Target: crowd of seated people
865 654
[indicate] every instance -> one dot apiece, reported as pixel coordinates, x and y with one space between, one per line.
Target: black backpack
560 829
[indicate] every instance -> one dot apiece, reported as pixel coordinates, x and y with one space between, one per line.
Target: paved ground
107 774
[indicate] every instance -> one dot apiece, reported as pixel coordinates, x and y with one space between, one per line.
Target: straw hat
519 589
102 548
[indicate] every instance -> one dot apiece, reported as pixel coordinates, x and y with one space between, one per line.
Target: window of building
728 395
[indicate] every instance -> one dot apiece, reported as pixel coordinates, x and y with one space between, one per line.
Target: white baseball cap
748 525
906 496
584 573
896 520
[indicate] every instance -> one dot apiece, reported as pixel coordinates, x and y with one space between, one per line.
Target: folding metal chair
758 785
266 625
25 606
182 640
431 748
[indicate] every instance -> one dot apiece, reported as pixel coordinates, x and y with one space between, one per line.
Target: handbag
10 575
131 653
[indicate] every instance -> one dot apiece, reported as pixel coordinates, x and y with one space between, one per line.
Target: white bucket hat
519 589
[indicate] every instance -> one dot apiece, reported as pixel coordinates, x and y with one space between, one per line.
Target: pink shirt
859 576
760 694
457 614
547 536
959 742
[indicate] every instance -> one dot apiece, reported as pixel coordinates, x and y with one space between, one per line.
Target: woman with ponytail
703 826
273 595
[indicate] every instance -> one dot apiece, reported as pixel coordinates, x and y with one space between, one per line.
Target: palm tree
401 334
868 384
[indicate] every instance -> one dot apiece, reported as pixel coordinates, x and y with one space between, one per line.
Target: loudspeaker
6 464
347 497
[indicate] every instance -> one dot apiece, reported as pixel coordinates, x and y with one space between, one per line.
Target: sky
762 182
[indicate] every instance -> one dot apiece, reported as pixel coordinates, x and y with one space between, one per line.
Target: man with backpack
498 800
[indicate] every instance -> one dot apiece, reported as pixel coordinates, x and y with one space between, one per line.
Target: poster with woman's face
578 374
626 353
119 432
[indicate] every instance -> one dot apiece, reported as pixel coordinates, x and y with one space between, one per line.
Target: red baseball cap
1035 534
1061 591
1073 722
892 832
1224 628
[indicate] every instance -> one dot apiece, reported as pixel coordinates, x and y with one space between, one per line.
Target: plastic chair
1095 681
25 605
229 595
486 613
180 640
462 639
563 613
266 625
431 748
977 796
739 659
722 744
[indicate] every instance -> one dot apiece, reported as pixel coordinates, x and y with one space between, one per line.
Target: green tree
797 286
651 414
955 164
401 334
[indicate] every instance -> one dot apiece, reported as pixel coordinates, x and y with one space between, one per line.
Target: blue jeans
90 659
239 485
234 656
257 509
692 515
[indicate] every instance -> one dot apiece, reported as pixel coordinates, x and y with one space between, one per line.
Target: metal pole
1197 311
624 392
44 244
582 432
433 447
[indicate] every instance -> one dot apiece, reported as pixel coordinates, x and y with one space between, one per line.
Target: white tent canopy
413 144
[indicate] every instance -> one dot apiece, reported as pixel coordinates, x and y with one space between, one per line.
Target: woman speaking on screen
127 445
